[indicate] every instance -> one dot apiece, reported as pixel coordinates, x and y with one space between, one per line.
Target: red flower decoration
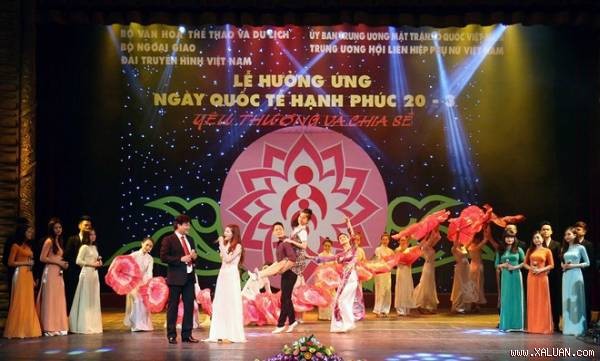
251 313
286 171
327 276
470 221
268 307
363 273
124 275
378 266
313 295
203 299
299 306
409 255
424 226
155 294
506 220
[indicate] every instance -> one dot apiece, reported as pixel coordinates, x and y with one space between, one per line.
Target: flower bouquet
306 348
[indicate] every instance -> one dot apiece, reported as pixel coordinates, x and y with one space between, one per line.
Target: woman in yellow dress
22 320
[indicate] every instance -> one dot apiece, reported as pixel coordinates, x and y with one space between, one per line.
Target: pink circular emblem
295 168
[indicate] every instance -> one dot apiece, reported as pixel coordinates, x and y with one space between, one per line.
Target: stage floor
421 337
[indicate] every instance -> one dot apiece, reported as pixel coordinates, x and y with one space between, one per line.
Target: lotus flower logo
286 171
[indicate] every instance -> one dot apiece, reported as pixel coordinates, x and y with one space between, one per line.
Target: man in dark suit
555 275
589 273
71 274
178 252
285 252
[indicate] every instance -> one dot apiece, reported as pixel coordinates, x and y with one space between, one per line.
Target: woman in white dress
425 294
383 281
325 312
361 256
476 270
136 315
403 295
85 315
228 317
463 290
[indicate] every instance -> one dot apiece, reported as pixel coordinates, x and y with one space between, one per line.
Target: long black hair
565 245
85 237
57 241
514 248
532 246
20 236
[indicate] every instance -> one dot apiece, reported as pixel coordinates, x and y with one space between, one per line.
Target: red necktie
184 244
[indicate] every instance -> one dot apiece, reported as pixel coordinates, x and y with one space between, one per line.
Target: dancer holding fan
136 314
347 295
383 281
404 299
425 294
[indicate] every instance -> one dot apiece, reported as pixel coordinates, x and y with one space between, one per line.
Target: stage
420 337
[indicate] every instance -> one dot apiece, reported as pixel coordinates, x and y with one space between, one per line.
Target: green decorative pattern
174 206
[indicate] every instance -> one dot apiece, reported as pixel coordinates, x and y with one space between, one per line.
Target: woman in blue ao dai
574 258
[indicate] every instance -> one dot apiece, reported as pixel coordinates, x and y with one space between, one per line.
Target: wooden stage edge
437 337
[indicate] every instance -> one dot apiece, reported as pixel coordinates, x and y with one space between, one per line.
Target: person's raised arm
228 257
45 254
349 225
302 245
487 235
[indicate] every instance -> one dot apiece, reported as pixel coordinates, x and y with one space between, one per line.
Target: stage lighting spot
404 357
103 349
181 29
32 341
257 334
484 332
52 352
466 358
445 355
421 354
76 352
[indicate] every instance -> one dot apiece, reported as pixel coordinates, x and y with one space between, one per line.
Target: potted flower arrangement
306 348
